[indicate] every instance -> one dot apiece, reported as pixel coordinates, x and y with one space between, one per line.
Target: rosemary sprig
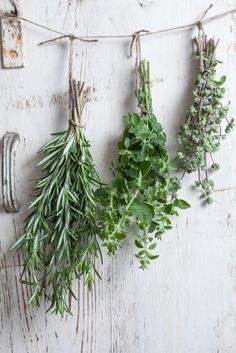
142 190
200 136
60 234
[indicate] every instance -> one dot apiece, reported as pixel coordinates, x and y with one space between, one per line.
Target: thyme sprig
143 193
60 235
201 134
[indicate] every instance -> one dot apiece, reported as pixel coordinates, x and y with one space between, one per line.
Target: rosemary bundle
60 234
200 136
143 193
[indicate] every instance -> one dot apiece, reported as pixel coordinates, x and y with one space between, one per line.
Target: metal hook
15 12
10 143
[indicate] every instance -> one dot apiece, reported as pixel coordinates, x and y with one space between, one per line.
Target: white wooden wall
186 301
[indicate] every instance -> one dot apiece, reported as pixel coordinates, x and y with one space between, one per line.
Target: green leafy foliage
142 194
60 235
200 136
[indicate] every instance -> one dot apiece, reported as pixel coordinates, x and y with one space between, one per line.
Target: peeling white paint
185 302
146 3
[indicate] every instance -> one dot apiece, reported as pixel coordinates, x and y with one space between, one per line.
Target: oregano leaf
145 166
181 204
142 210
144 196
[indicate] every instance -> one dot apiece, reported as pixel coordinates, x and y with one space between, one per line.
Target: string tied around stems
141 82
201 37
137 42
78 95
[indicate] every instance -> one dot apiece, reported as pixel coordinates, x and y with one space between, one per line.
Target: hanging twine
64 36
201 38
139 81
137 42
70 75
95 38
70 70
74 121
78 95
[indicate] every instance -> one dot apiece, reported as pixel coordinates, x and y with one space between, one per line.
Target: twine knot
199 25
72 37
136 40
71 122
201 37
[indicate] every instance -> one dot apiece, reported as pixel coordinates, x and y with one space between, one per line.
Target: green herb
142 189
202 132
60 234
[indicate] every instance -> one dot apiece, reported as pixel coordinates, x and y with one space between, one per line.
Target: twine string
68 36
95 38
70 71
139 80
73 103
70 75
78 95
206 12
138 54
201 37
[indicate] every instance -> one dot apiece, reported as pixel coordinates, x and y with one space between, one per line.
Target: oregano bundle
201 134
142 193
60 235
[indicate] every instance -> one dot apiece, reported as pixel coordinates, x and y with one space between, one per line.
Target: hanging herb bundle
142 190
200 136
60 235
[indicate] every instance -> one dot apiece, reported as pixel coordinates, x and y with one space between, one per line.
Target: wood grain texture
186 301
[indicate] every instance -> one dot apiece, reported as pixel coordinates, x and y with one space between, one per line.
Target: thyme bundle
200 136
60 235
142 189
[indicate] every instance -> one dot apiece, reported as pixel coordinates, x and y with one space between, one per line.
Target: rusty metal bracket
12 41
10 143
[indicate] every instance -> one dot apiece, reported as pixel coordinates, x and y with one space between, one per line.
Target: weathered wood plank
185 302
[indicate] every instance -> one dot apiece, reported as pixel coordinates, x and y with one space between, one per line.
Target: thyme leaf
201 134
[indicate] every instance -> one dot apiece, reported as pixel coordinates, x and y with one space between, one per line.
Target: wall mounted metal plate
12 43
10 142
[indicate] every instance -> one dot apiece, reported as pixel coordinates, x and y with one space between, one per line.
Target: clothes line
95 38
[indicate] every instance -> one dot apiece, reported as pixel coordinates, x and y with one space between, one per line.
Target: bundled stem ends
60 234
